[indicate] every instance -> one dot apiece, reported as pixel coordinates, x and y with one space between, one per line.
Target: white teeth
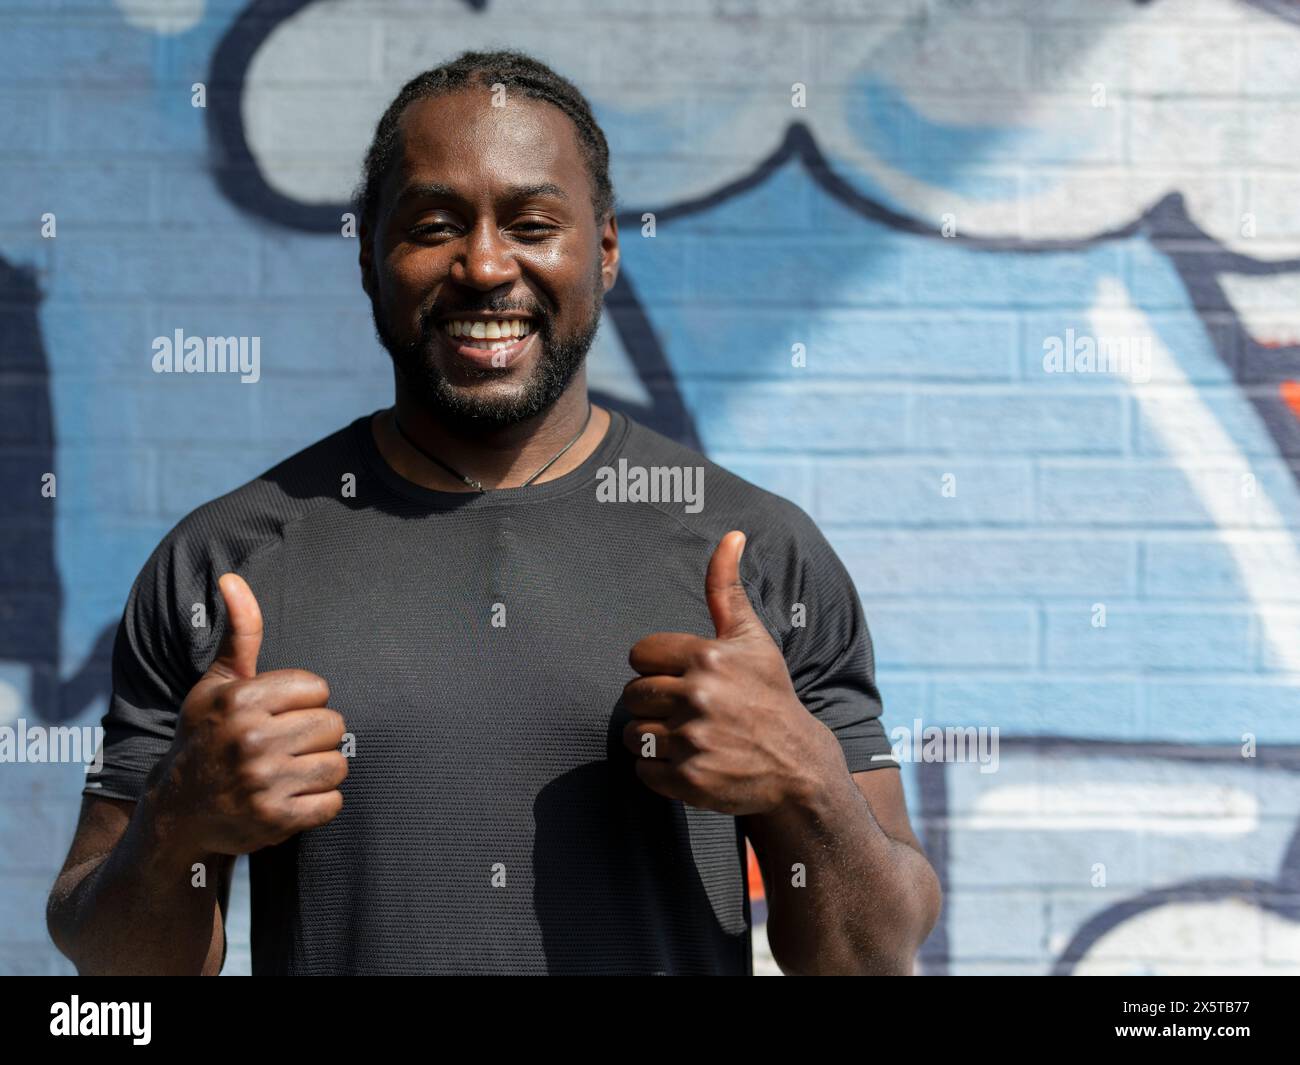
493 330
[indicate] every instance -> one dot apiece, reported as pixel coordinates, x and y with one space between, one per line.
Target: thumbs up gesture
254 759
717 723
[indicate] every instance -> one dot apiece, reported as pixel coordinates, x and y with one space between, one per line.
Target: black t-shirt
476 646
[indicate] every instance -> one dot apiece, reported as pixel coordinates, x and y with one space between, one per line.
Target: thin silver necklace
478 485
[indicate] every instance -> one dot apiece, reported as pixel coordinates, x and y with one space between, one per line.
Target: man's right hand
255 759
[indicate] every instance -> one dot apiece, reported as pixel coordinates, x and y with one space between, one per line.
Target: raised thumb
242 640
733 614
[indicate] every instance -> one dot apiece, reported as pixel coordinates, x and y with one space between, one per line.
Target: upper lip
483 316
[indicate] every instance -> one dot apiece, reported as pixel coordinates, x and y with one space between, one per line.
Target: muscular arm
871 897
254 760
125 903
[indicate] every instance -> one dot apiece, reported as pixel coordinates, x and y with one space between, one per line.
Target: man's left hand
717 723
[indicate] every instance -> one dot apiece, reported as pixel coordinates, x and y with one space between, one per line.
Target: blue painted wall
926 196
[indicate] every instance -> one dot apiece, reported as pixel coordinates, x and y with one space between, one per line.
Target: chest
455 647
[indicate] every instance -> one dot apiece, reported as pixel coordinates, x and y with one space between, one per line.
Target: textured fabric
492 820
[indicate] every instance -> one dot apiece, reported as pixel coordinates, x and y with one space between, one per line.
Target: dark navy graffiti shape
30 616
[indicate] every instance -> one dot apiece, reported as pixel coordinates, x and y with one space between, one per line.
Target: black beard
554 370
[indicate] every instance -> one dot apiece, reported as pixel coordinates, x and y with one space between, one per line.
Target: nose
485 260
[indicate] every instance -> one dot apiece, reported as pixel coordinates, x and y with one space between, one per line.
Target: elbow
65 918
871 961
929 894
57 920
61 923
888 947
926 903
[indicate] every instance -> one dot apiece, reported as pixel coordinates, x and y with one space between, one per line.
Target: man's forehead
416 186
455 125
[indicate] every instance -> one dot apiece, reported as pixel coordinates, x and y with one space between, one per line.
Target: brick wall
966 186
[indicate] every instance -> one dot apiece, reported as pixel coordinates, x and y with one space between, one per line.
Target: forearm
141 909
864 902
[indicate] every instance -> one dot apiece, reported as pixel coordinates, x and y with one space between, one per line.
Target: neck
499 458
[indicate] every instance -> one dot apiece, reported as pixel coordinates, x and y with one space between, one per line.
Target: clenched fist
255 759
717 723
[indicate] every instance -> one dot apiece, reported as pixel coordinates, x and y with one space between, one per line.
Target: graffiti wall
1002 292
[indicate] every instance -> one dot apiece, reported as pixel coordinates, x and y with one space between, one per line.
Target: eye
430 228
535 228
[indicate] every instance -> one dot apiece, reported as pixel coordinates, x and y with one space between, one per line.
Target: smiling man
467 712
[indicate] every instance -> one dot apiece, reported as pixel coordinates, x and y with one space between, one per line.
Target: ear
609 254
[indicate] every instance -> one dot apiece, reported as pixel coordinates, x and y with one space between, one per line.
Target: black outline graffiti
1280 895
1199 259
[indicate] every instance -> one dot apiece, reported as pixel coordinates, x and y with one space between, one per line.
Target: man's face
487 213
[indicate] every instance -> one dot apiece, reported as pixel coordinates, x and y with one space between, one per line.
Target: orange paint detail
1291 395
755 874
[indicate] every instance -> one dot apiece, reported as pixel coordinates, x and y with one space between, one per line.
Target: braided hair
513 69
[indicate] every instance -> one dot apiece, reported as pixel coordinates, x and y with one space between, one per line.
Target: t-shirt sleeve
811 600
153 669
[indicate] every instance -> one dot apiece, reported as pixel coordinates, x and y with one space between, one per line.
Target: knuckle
327 809
314 680
253 777
698 695
227 697
708 656
264 810
693 736
336 724
251 742
238 694
335 806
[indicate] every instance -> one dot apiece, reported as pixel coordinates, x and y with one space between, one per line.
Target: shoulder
783 545
720 500
224 533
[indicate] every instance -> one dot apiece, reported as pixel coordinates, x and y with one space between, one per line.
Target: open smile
491 344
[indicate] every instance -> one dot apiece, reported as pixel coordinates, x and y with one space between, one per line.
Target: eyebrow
438 191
